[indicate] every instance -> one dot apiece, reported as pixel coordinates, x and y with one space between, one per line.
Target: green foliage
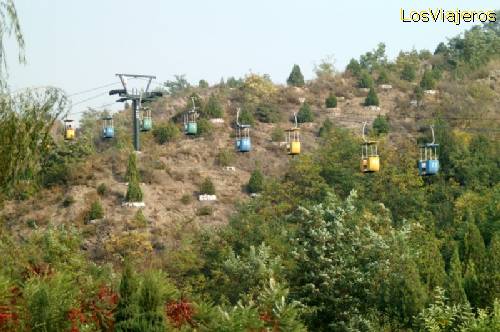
186 199
354 68
246 117
226 157
305 114
102 189
372 98
166 133
127 310
134 192
296 78
9 24
409 72
139 219
381 125
95 212
177 86
365 80
205 211
256 182
213 108
205 128
326 128
374 59
267 114
277 135
383 78
207 187
331 101
455 282
428 81
203 84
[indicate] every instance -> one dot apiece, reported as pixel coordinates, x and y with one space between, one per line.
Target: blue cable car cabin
428 163
108 130
243 142
146 120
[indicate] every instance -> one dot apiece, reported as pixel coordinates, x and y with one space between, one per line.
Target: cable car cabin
293 141
370 160
146 121
69 130
243 142
428 163
108 130
190 124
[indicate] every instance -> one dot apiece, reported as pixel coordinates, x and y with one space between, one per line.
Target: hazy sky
78 45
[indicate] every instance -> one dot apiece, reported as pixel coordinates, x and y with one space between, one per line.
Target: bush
277 135
165 133
305 114
204 127
296 78
372 98
246 117
95 212
331 101
256 182
267 114
354 68
326 128
139 219
226 157
381 125
203 84
68 201
365 81
102 189
186 199
207 187
204 211
383 78
428 81
213 108
134 192
409 72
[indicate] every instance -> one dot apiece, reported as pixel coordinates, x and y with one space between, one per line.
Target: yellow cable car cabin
69 130
370 160
293 141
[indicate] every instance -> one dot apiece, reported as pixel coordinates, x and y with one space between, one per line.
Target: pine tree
365 80
372 98
428 81
380 125
127 311
475 256
207 187
151 318
493 283
331 101
256 182
296 78
134 192
213 108
383 78
305 114
456 292
409 73
354 67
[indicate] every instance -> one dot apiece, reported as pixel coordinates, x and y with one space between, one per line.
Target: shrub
326 128
381 125
204 127
68 201
365 80
267 114
203 84
372 98
207 187
165 133
331 101
305 114
277 135
256 182
354 68
226 157
95 212
428 81
296 78
186 199
204 211
409 72
383 78
246 117
213 108
134 192
102 189
139 219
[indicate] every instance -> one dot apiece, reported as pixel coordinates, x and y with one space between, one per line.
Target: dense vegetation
322 248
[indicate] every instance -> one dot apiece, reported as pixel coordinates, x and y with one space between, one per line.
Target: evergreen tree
213 108
126 313
326 128
365 80
296 78
493 283
354 67
207 187
383 78
151 317
456 292
475 258
331 101
428 81
203 84
134 192
381 125
256 182
409 73
372 98
305 114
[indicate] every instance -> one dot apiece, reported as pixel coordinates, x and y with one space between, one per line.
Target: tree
331 101
134 192
296 78
305 114
354 68
166 133
267 114
246 117
428 81
383 78
409 72
180 84
381 125
455 282
151 317
256 182
365 80
207 187
213 108
96 211
372 98
203 84
9 24
326 128
127 310
326 68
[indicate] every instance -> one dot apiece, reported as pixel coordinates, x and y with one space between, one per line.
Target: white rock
373 108
217 120
207 197
430 92
133 204
230 168
385 86
334 109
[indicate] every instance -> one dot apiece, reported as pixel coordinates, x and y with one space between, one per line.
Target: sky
78 45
